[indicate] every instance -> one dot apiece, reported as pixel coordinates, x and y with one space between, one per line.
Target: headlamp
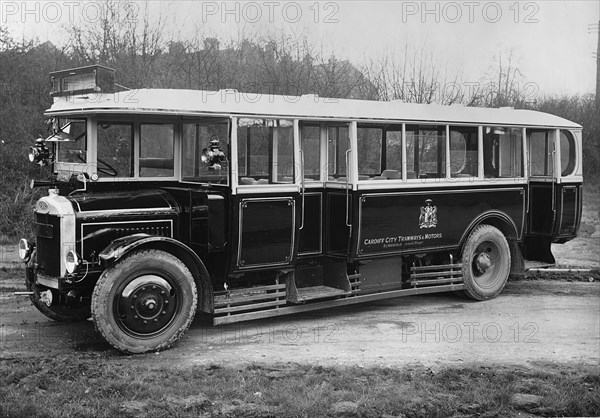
25 249
72 261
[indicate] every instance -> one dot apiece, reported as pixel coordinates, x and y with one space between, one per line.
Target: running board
436 275
264 301
290 309
231 303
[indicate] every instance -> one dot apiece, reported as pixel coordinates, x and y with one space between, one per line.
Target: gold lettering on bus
395 241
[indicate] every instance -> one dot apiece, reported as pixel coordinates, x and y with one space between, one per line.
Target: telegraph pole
598 72
595 27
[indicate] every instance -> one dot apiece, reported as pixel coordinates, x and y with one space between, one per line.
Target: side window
393 149
426 151
369 142
540 153
115 149
338 142
265 151
205 152
567 153
156 150
72 141
502 152
311 146
463 152
379 152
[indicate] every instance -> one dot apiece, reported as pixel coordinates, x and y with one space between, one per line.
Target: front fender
120 247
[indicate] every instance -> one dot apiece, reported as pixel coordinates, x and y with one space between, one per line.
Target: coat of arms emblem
428 217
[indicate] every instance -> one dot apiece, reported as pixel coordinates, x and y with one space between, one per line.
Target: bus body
247 206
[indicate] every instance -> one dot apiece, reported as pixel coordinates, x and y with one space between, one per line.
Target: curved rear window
567 153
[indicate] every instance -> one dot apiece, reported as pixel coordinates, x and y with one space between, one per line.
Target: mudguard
120 247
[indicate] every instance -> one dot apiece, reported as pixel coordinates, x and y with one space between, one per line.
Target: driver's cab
112 148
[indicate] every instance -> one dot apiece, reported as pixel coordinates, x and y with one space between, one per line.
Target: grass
90 386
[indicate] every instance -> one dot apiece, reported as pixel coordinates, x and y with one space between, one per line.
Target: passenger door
554 191
326 191
542 182
266 203
313 143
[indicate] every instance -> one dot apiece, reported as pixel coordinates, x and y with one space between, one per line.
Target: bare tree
124 37
503 85
414 77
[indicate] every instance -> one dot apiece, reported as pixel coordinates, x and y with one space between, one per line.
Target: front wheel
486 263
144 302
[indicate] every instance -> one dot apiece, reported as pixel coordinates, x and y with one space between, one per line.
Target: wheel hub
146 305
483 262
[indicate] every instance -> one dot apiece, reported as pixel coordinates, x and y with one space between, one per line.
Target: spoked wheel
144 302
486 263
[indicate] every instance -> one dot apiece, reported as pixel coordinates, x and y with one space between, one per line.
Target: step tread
243 298
317 292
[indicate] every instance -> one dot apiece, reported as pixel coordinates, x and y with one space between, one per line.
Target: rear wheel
144 302
486 263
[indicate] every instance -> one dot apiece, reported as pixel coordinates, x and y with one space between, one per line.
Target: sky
551 42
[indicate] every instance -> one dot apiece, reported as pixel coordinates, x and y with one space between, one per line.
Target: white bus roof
308 107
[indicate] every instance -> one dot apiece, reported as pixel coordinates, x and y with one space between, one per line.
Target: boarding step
254 298
354 280
436 274
318 292
326 279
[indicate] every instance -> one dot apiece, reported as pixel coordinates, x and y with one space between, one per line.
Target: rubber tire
501 267
57 312
139 263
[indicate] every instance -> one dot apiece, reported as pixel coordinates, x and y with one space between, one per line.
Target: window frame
234 138
385 128
227 150
137 121
321 151
549 161
176 134
90 159
456 174
114 121
441 164
572 162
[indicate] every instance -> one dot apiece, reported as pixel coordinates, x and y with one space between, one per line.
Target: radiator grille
48 249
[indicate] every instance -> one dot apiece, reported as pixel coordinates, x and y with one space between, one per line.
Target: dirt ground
532 322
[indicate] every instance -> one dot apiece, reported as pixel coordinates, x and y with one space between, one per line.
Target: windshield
71 138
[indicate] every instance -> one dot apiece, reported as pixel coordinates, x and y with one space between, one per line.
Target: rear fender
120 247
507 226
